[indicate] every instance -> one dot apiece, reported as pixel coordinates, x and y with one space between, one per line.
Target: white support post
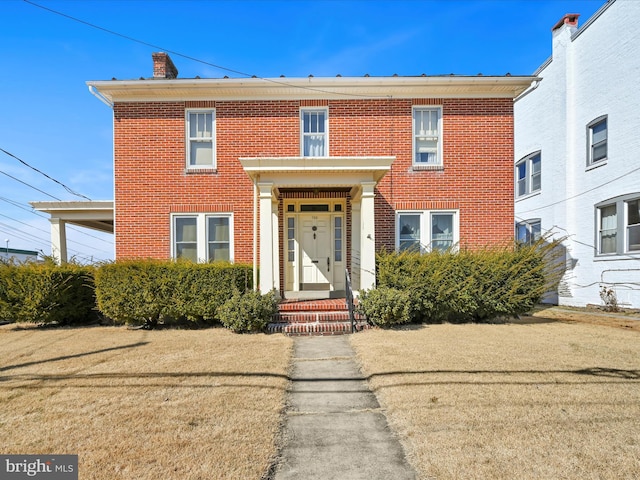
267 271
367 236
58 240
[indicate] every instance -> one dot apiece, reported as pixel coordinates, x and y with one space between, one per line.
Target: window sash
314 132
529 231
427 135
633 226
598 133
608 229
200 138
426 230
529 175
203 237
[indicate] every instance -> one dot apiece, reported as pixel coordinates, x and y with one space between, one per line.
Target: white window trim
622 224
528 224
528 161
326 128
425 227
419 165
202 233
214 160
590 161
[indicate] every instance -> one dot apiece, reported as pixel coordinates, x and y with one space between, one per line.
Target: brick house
307 177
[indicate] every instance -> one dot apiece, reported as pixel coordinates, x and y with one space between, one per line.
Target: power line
68 189
194 59
30 186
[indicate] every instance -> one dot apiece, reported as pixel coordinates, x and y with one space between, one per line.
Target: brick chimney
569 19
163 67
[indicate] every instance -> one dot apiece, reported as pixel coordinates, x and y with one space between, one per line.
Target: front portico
314 217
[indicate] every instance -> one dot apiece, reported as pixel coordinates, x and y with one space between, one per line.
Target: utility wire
194 59
30 186
72 192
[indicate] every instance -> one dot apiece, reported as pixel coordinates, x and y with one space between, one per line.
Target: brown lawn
538 399
170 404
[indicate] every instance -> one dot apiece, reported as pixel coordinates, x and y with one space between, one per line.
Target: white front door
315 252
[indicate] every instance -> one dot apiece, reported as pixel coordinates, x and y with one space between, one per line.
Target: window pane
186 229
536 170
441 231
599 132
522 233
633 209
218 229
409 231
187 251
314 146
599 141
600 151
201 153
608 227
219 251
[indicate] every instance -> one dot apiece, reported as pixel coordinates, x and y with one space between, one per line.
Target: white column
275 244
58 240
367 237
356 228
267 271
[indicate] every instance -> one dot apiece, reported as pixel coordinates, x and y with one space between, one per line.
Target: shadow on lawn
67 357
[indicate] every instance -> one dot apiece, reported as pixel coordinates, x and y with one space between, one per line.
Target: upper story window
597 134
618 224
314 131
426 230
201 144
529 174
203 237
528 231
427 136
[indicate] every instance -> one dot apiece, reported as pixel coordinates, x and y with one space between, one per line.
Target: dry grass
535 400
170 404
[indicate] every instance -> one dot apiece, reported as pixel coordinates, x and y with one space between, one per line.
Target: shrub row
47 293
134 292
148 291
461 287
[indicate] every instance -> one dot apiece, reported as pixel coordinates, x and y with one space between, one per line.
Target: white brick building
577 154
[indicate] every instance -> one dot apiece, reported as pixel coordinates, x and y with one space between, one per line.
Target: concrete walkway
335 428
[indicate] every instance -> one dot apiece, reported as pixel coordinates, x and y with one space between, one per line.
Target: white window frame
622 226
426 216
528 180
325 134
415 135
532 236
202 234
189 139
590 142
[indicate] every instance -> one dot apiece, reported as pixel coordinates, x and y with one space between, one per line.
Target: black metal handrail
349 299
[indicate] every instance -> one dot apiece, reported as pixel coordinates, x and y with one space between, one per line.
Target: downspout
99 96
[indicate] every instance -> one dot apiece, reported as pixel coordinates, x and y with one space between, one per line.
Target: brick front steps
314 317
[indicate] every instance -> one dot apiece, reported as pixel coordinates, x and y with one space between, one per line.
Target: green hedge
47 293
248 312
460 287
148 291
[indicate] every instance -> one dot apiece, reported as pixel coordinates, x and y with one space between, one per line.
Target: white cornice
229 89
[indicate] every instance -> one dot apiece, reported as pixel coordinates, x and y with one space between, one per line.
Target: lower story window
426 230
529 231
618 225
203 237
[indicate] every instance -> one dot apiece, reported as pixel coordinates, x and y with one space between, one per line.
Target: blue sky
49 119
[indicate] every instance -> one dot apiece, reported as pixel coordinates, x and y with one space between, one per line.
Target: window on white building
529 174
633 225
528 231
597 133
203 237
314 132
607 229
427 136
426 230
201 145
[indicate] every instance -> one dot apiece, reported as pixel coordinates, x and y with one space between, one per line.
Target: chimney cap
570 19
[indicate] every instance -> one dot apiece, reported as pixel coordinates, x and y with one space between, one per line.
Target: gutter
99 96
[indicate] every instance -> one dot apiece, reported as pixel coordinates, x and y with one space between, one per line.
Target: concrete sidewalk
335 428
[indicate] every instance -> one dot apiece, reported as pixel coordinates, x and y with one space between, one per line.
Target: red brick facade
151 179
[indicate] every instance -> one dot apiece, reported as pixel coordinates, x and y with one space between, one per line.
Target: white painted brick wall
595 71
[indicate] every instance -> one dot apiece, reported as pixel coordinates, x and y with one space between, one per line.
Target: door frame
292 240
